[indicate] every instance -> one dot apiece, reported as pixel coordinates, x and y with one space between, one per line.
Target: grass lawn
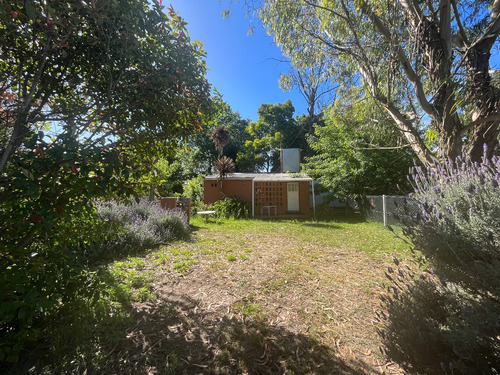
243 297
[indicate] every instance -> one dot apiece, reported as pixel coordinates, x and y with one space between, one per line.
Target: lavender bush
140 226
446 319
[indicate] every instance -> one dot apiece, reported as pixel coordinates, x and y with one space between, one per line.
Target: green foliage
163 174
354 153
38 285
447 317
100 85
194 190
275 129
232 208
206 153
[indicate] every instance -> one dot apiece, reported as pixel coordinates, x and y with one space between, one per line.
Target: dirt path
258 303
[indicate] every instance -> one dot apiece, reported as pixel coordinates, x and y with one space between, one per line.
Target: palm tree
220 136
225 166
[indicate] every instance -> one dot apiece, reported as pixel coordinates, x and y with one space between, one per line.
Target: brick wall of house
232 188
267 193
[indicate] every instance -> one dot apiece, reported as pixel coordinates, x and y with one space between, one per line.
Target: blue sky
242 67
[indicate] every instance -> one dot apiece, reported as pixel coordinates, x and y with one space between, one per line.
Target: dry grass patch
242 297
268 297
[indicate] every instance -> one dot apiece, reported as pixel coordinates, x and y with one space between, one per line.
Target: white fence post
384 209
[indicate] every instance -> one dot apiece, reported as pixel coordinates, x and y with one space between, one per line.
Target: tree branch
405 63
326 9
461 30
414 12
375 147
445 25
20 127
491 118
485 42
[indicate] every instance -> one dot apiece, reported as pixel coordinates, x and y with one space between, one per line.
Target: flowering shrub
446 319
140 226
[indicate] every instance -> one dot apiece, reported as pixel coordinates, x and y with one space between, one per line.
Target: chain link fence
382 208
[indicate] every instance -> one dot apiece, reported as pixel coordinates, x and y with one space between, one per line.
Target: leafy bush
141 225
36 281
232 207
194 190
54 273
447 317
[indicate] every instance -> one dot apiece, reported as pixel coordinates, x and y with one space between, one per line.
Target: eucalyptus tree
426 63
314 80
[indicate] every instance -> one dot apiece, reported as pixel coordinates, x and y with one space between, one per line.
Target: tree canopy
276 128
126 69
427 63
356 151
85 88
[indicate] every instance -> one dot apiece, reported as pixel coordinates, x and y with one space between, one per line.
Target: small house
271 194
268 193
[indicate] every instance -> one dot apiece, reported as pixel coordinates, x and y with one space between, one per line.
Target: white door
293 196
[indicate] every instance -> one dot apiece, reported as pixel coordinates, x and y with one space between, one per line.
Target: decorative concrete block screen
270 194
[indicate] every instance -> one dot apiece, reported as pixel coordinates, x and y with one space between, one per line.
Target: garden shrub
444 317
54 270
34 283
232 207
141 225
193 190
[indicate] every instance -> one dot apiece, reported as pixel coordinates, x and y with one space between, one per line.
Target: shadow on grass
194 228
330 225
177 337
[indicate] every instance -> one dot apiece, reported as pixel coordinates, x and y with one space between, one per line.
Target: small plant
143 294
173 365
232 208
182 260
183 265
246 308
231 258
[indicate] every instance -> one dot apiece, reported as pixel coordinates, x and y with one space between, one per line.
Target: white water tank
290 160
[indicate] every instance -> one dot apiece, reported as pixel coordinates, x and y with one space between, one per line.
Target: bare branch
375 147
492 118
461 30
413 11
405 63
445 25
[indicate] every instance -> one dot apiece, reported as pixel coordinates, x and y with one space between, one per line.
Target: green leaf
30 11
27 174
